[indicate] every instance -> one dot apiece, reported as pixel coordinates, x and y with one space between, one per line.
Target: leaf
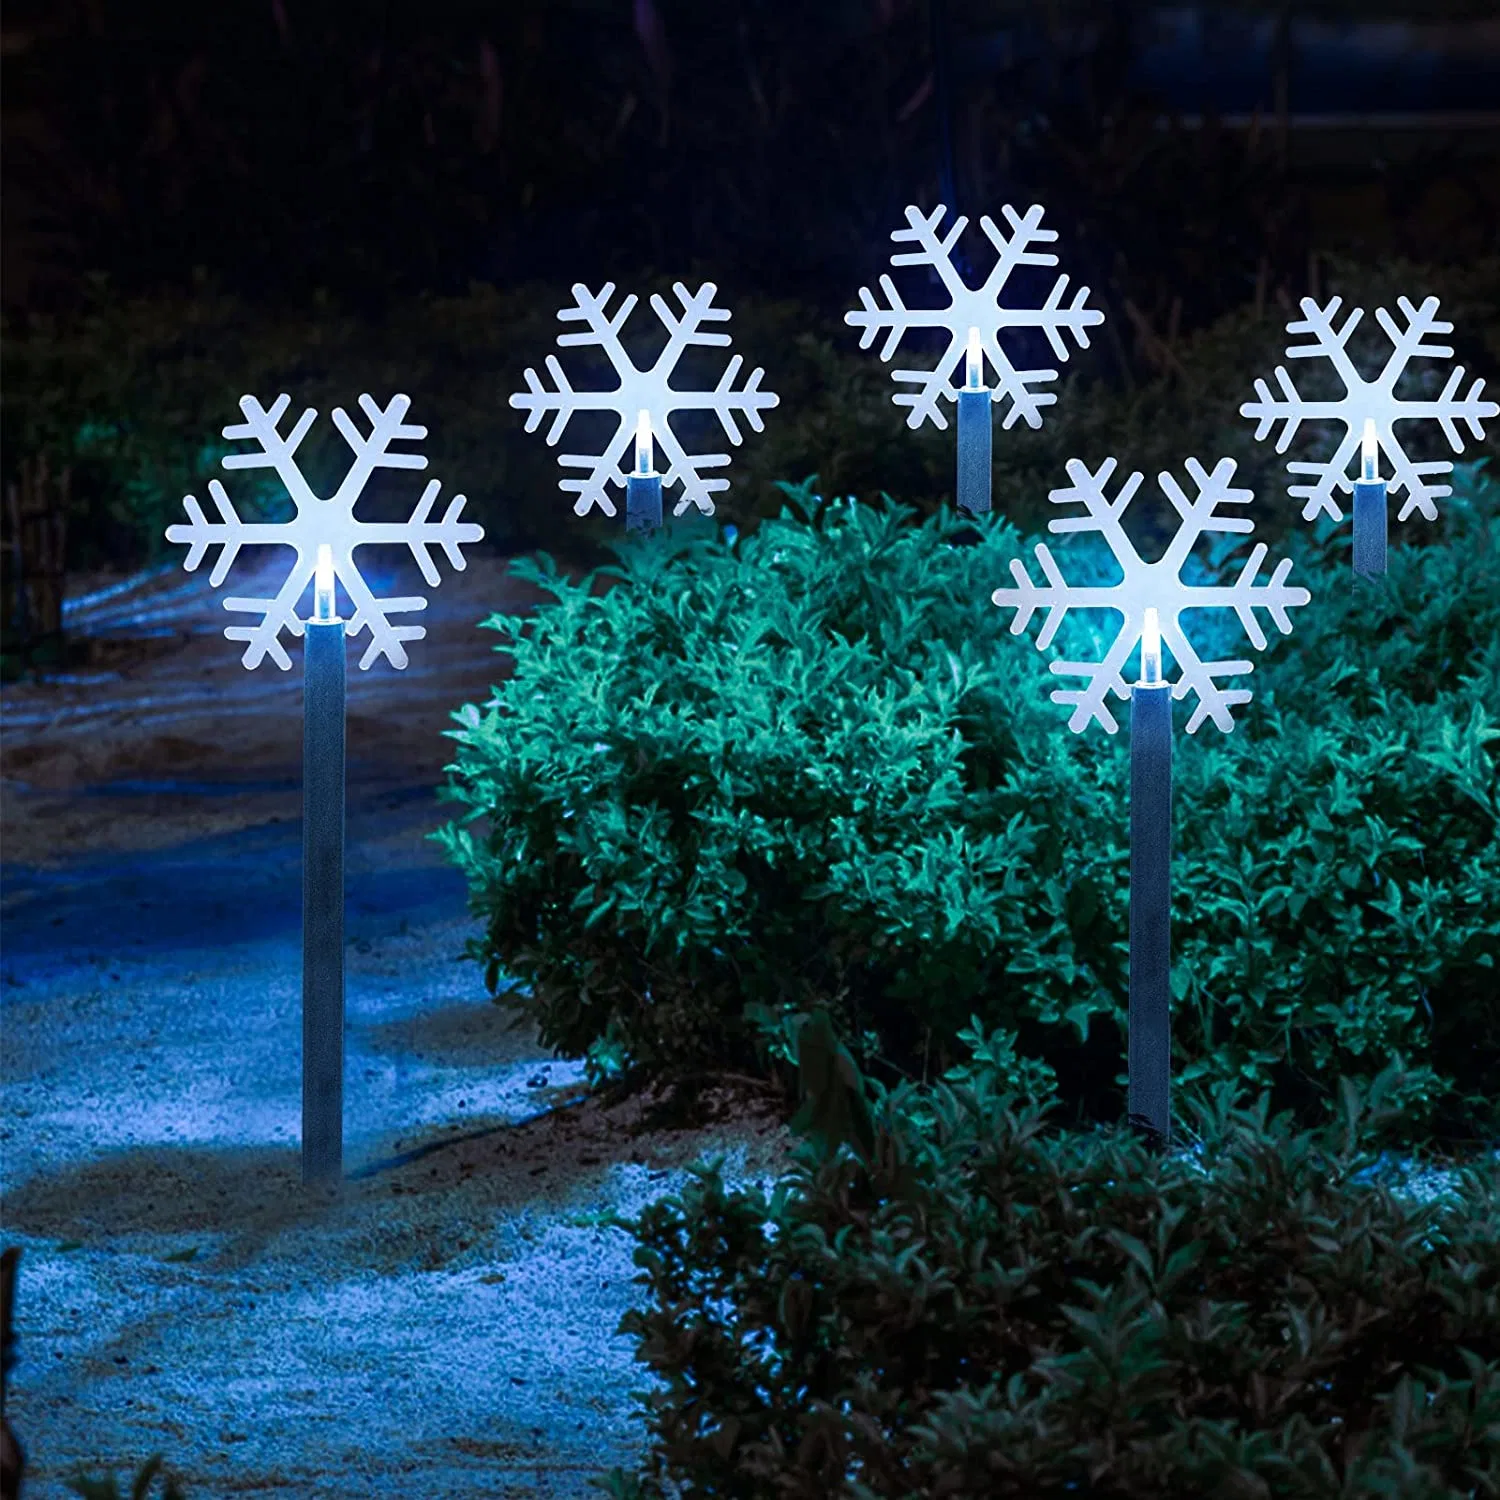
834 1111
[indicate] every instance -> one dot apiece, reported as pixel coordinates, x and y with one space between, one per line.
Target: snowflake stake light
646 390
1374 400
1155 585
329 523
973 308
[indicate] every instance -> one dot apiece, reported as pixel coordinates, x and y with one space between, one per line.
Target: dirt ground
444 1324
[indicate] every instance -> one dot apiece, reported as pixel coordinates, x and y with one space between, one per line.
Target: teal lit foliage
954 1298
725 787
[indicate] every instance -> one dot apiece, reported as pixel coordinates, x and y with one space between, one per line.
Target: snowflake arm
1200 678
750 400
1327 477
1101 514
1016 251
229 532
697 309
1201 515
387 639
1103 678
932 387
275 452
1327 342
276 614
418 534
1056 596
1470 410
932 250
896 317
370 453
1275 597
687 470
603 469
1447 411
602 329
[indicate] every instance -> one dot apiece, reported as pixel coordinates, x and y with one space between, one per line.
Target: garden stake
973 320
975 434
1149 1058
1150 599
1370 518
325 535
323 884
645 398
1369 411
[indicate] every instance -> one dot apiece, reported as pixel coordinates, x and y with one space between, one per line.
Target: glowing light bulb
323 586
1151 650
1368 450
974 372
643 443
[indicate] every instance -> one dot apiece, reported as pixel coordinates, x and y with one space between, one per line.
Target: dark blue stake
323 899
1150 1040
643 502
643 487
975 447
975 432
1370 521
1370 527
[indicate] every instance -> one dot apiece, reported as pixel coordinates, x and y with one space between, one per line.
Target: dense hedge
972 1304
813 769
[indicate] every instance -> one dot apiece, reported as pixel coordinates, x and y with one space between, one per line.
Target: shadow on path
222 890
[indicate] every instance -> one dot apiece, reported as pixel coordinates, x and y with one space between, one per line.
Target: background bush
723 786
134 390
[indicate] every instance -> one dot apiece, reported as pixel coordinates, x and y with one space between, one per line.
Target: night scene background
758 841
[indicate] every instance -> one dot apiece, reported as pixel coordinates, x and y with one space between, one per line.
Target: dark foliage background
307 177
378 149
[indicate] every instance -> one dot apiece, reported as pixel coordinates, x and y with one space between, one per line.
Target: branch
1013 252
874 317
935 252
1406 343
1326 339
275 452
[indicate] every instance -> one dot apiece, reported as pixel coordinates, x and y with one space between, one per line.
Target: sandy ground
443 1325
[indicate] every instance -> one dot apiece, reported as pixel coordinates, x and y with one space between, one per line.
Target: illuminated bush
814 770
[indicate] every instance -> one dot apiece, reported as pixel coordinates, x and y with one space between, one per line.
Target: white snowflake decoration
1373 399
1155 585
329 522
649 390
974 307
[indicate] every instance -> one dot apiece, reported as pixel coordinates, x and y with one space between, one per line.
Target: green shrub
814 770
973 1304
1338 865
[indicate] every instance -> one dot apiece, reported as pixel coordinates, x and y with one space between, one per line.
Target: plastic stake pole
323 903
1149 1058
